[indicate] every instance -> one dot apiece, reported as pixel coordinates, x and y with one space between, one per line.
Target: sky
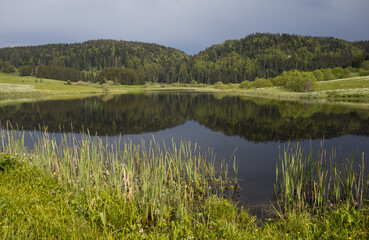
188 25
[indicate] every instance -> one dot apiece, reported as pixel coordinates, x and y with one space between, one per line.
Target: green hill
268 55
256 55
158 63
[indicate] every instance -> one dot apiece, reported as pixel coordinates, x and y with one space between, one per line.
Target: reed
317 181
162 183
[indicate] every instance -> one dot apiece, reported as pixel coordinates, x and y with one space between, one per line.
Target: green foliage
261 83
124 76
328 75
157 63
286 76
339 72
6 67
318 75
310 180
295 81
365 65
363 72
256 55
56 72
268 55
301 84
193 82
245 85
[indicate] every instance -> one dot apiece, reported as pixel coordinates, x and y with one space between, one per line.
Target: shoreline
339 91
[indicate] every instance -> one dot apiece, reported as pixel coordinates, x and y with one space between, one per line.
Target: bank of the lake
12 86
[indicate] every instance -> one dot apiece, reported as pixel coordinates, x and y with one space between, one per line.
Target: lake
253 130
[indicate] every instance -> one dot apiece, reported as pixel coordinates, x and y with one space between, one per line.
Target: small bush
245 85
110 82
328 75
261 83
365 65
318 75
223 86
338 73
363 72
300 84
193 82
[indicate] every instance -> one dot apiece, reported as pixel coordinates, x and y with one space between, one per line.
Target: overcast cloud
189 25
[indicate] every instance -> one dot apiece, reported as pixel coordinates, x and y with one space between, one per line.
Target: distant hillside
158 63
256 55
268 55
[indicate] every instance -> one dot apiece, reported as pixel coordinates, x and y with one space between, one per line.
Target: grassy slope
14 85
356 88
348 83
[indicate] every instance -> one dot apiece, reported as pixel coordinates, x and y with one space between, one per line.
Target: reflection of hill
274 121
126 114
254 120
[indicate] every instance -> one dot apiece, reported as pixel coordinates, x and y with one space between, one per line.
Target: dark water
257 129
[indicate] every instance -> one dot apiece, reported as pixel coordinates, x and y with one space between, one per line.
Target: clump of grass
314 181
132 188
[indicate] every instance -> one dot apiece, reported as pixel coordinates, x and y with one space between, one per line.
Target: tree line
124 76
259 55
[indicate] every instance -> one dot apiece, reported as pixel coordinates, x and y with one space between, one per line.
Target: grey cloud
189 25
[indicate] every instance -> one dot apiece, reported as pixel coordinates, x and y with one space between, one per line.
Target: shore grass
314 181
87 189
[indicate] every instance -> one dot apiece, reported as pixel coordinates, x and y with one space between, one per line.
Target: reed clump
315 181
153 184
87 188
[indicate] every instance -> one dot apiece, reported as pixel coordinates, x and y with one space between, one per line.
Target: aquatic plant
165 183
315 181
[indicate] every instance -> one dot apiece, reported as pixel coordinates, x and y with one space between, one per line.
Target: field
348 83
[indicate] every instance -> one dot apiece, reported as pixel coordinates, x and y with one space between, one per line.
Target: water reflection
252 119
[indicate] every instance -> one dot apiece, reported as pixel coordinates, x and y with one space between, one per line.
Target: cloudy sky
189 25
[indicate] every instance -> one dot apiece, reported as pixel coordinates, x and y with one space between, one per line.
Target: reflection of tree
255 120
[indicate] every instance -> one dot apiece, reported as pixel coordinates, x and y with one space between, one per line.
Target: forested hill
256 55
268 55
158 63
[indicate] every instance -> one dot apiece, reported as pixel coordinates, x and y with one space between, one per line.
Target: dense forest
269 55
261 55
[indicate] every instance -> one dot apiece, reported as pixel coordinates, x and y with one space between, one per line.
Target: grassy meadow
355 89
87 189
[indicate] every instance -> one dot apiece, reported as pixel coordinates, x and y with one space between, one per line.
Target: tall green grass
161 183
87 188
317 181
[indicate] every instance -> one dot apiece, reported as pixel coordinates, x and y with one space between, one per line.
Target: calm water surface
257 129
